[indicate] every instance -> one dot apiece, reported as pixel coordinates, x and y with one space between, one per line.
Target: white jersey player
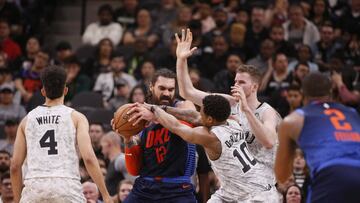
48 138
261 133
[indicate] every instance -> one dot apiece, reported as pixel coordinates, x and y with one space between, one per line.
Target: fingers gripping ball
124 127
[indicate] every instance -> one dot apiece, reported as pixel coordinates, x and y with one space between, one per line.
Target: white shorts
54 190
271 196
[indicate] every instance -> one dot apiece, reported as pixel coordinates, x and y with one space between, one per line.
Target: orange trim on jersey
186 123
133 160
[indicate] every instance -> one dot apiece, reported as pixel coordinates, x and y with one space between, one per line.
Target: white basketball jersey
51 143
236 165
265 157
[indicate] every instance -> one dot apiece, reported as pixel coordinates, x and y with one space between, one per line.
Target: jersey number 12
48 140
244 153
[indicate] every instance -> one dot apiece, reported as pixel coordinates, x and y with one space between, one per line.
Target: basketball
124 127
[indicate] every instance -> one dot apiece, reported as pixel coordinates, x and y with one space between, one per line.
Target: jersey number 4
244 153
48 140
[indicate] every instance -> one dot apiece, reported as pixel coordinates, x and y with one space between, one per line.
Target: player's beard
162 100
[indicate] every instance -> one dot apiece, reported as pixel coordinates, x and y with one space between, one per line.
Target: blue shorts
336 184
146 191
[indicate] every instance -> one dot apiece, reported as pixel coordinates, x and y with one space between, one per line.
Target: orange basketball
124 127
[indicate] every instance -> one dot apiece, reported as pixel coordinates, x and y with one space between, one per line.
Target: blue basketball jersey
330 136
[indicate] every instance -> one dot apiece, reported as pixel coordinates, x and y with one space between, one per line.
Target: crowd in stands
285 39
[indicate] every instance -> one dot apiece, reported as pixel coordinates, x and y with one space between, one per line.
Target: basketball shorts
54 190
146 191
335 184
271 196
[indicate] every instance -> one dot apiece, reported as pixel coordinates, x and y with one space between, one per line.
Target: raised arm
17 161
186 88
265 131
289 130
87 153
183 51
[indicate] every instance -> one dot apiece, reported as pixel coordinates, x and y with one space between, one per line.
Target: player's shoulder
78 117
186 104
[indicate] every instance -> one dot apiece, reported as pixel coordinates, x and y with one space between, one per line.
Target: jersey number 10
48 140
244 153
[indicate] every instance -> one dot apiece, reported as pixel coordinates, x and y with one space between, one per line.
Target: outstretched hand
183 50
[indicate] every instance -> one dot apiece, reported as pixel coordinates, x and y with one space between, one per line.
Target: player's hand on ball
140 112
183 50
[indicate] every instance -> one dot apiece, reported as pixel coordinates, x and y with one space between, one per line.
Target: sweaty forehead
165 82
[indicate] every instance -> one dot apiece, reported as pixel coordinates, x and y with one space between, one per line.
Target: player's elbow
15 168
269 144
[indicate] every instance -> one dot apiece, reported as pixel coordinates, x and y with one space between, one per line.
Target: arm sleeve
133 160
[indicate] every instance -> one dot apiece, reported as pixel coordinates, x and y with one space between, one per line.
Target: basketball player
225 146
329 135
258 120
47 138
164 161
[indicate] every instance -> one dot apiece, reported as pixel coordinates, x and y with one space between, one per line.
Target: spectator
6 189
63 51
10 12
4 162
125 186
28 80
299 30
121 96
326 47
292 194
276 80
110 148
8 108
91 192
75 81
101 60
166 13
349 22
277 35
138 57
96 132
347 96
125 15
105 82
301 70
224 80
237 41
3 60
147 70
104 28
137 94
319 13
7 45
352 50
242 16
294 100
10 129
304 56
204 15
143 29
27 60
182 22
261 61
300 170
199 82
256 31
215 61
220 17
